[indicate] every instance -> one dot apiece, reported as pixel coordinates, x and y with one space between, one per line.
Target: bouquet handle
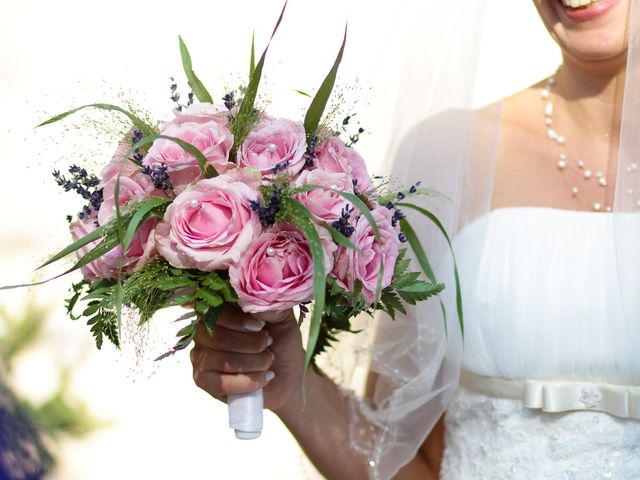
245 414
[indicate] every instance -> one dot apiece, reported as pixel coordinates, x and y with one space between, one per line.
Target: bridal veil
444 69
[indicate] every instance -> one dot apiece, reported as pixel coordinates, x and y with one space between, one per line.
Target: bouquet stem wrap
245 414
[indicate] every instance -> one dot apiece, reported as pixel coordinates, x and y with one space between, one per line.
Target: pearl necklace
560 140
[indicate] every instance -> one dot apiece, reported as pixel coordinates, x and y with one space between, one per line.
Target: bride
546 214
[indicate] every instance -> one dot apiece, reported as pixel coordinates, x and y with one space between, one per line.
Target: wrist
302 397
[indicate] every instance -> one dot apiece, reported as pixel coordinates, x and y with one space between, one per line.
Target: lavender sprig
342 225
84 185
160 177
268 211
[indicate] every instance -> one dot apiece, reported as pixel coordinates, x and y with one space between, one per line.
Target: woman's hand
248 352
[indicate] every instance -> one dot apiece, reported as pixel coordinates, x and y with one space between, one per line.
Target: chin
592 31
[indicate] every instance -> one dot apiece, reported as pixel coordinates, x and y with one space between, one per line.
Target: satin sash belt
557 396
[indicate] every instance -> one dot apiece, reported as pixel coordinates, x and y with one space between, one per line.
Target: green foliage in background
29 429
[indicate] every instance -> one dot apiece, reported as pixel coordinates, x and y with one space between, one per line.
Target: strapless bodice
547 297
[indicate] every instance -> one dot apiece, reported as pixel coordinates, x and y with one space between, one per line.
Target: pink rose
134 185
276 271
140 250
274 143
363 264
210 225
208 135
333 155
324 204
203 113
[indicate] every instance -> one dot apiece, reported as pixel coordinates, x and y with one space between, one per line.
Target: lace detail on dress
492 438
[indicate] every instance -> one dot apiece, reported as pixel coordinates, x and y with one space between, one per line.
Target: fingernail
269 341
253 325
269 375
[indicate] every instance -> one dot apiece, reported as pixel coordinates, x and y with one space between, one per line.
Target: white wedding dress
542 304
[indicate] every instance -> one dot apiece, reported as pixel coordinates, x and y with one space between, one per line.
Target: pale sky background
57 55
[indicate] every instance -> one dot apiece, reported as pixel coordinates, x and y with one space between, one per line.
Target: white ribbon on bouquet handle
245 414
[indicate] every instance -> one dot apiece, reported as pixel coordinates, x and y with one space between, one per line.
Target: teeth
577 3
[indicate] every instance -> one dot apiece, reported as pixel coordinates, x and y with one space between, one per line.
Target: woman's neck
592 93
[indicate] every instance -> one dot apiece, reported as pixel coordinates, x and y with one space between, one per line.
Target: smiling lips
585 10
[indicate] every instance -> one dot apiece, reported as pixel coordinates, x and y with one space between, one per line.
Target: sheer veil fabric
452 62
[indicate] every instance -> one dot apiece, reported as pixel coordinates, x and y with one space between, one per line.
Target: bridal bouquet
225 204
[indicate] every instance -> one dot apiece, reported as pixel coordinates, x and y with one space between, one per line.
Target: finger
228 340
222 384
234 318
208 360
275 317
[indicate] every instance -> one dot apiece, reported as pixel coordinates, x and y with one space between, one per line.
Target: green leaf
402 264
252 62
420 291
319 287
196 85
319 103
77 289
304 94
186 316
212 299
207 170
103 247
211 318
141 215
418 250
183 300
439 225
392 303
246 107
140 124
360 205
77 245
174 283
405 280
188 329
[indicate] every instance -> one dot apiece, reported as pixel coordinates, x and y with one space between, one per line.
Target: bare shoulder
520 109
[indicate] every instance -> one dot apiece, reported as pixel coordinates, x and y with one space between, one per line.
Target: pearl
581 163
560 139
587 174
271 251
563 156
598 174
562 164
545 93
602 182
272 147
194 202
551 134
634 167
597 207
548 110
575 191
608 209
551 80
549 121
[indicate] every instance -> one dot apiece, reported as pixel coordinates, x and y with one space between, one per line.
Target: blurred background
101 416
